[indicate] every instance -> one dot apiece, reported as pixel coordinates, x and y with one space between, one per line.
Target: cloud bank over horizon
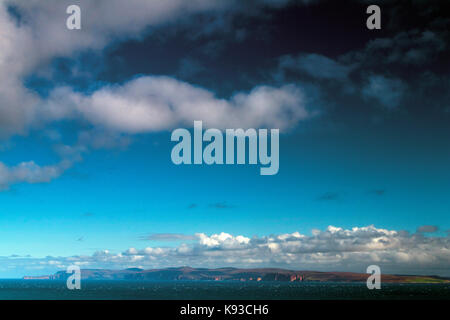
332 249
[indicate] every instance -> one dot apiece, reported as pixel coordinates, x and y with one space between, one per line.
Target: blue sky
97 197
87 115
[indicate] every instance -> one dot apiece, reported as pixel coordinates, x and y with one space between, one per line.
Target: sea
215 290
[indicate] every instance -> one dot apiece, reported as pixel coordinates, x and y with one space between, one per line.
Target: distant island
235 274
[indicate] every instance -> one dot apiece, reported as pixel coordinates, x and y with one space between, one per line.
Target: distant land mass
235 274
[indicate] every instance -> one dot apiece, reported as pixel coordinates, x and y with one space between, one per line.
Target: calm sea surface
98 290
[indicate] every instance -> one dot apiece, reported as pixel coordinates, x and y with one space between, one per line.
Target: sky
86 117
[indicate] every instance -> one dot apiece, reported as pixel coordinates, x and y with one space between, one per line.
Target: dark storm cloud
190 68
395 68
412 47
316 66
378 75
388 92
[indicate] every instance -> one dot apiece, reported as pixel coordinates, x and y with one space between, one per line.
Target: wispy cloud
316 66
87 214
378 192
168 237
30 172
221 205
329 196
387 91
427 229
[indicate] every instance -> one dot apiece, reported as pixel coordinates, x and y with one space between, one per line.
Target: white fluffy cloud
38 34
335 249
154 103
41 35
